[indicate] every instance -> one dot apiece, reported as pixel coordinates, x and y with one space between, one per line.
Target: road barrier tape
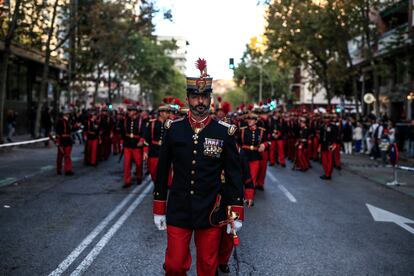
24 142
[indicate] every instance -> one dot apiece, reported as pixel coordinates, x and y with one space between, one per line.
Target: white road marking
281 187
271 177
382 215
287 194
63 266
111 232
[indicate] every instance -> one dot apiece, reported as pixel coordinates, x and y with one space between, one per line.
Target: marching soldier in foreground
327 146
64 143
199 149
133 143
91 135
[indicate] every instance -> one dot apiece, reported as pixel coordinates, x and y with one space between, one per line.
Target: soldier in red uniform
302 157
153 139
64 143
116 132
253 140
133 143
278 135
337 124
327 146
91 135
264 155
105 133
199 149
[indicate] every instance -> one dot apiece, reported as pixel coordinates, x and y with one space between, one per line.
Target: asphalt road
300 225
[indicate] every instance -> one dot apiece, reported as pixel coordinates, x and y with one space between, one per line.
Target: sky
216 30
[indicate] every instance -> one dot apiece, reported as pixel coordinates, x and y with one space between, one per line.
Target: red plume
201 64
226 107
260 103
177 101
250 107
181 104
170 99
242 106
269 100
219 99
164 100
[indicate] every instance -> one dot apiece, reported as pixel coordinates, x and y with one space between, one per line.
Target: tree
8 23
275 80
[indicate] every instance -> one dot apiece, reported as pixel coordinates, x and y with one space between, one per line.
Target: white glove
160 222
237 226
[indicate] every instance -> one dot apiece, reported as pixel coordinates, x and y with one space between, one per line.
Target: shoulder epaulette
243 127
168 123
224 123
262 128
153 120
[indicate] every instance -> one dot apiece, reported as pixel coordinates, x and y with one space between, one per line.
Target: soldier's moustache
199 110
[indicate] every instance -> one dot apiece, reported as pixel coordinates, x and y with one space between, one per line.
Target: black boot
224 268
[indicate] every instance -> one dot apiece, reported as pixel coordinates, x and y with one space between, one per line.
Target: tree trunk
97 81
355 93
376 91
5 63
109 84
44 84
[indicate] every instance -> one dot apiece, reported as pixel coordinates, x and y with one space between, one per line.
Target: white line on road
63 266
271 177
107 237
287 194
281 187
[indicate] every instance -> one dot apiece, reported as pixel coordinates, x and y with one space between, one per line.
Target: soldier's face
199 104
164 115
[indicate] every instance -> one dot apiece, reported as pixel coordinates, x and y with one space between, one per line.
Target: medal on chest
213 147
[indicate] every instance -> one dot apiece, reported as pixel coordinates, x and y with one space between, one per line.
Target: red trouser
178 255
272 152
314 153
152 164
302 161
91 152
116 143
65 155
262 168
254 171
226 247
129 156
281 152
105 147
327 162
337 155
291 148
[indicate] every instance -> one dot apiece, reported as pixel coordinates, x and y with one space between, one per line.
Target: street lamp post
261 82
410 99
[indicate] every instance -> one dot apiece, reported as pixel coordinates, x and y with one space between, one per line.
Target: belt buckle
131 135
251 147
160 143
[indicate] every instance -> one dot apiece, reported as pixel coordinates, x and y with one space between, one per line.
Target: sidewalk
375 171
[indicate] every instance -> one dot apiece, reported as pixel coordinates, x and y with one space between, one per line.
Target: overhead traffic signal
231 64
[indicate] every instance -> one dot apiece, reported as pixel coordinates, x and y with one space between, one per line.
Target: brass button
195 152
192 181
192 192
196 142
192 172
193 162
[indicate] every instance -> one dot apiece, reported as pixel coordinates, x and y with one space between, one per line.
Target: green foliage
275 80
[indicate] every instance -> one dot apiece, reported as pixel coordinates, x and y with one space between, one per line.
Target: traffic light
231 64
